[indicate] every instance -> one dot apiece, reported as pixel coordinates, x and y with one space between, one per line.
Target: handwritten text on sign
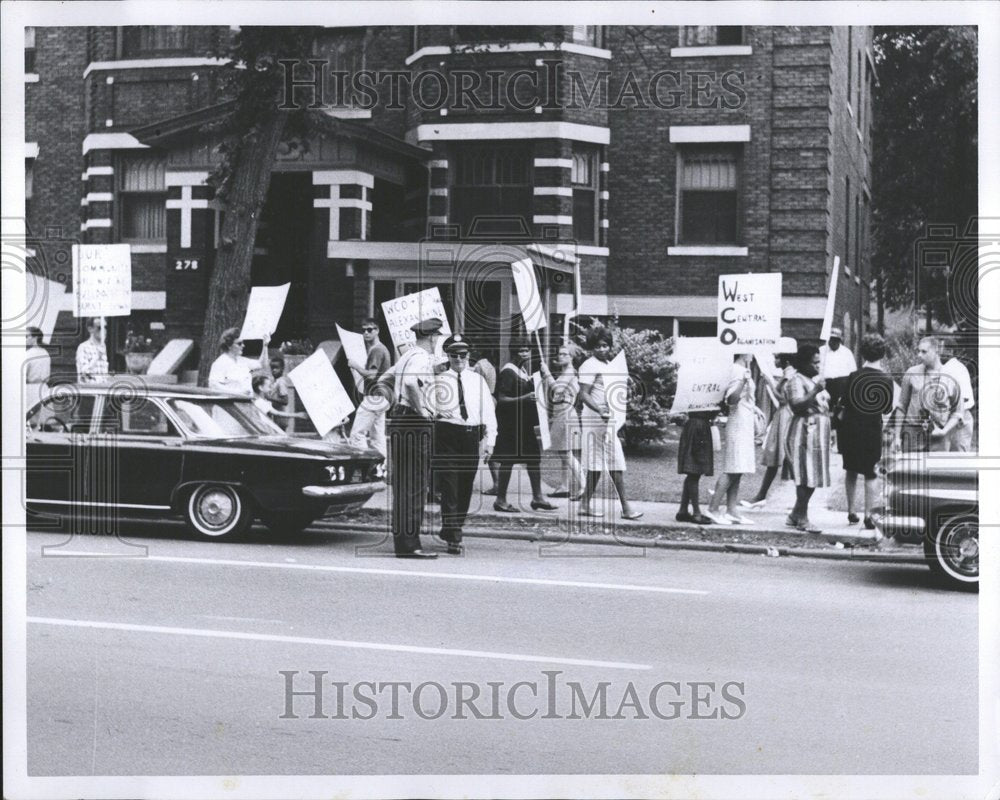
102 280
703 373
402 312
749 310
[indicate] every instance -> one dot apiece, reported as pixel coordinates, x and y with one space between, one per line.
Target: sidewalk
769 531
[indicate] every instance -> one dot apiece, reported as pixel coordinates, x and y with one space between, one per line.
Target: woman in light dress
564 422
808 445
230 371
739 458
602 449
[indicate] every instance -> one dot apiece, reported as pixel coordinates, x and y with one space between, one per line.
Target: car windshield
222 418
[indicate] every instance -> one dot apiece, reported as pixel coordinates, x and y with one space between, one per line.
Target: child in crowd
695 457
262 385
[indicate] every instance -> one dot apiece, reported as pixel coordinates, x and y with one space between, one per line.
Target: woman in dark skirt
867 396
695 457
517 442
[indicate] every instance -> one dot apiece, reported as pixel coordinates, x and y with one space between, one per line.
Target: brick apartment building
666 157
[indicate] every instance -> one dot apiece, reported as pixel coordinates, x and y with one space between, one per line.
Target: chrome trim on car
348 490
891 523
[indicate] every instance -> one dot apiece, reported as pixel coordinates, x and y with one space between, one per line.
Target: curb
657 541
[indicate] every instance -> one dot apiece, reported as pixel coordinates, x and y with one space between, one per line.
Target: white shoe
735 520
718 519
753 504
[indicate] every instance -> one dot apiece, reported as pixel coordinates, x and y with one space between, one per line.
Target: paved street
170 664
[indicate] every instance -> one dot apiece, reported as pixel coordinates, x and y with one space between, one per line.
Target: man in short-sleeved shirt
930 401
368 428
92 355
961 437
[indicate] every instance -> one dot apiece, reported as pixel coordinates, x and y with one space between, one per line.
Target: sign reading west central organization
749 311
402 312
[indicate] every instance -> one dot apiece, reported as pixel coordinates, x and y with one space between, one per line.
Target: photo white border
16 783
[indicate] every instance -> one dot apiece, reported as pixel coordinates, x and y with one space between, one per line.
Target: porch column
191 244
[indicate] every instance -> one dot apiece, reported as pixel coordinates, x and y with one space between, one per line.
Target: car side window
63 412
138 417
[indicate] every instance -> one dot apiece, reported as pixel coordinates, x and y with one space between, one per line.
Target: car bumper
897 525
349 491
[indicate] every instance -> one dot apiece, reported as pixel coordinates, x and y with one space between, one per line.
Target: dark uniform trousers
456 461
410 449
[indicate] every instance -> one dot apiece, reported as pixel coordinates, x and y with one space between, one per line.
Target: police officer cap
456 343
427 326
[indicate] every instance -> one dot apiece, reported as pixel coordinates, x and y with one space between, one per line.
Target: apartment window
588 34
29 50
142 198
850 63
861 102
480 34
711 35
347 55
708 195
847 219
153 40
584 176
492 180
857 236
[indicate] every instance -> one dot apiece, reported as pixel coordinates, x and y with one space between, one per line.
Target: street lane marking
455 576
344 643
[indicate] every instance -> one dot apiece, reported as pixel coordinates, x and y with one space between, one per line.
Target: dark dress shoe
869 523
454 549
701 519
852 519
576 498
417 554
541 505
683 516
561 494
505 507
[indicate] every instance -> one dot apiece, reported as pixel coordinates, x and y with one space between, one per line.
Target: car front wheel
216 510
953 551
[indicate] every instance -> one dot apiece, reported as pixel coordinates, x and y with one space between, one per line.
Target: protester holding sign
92 354
231 372
564 422
517 418
808 445
369 420
739 458
774 457
602 449
695 457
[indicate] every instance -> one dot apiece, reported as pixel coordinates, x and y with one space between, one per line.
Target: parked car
209 457
933 500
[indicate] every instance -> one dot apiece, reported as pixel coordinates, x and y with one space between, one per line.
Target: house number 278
186 264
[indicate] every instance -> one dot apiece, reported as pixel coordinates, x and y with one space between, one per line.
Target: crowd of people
816 397
449 419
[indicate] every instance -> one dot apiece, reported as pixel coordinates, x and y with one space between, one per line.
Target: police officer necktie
461 396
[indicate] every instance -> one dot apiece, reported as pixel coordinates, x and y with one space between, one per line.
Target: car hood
292 445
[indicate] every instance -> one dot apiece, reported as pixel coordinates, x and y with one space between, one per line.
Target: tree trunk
881 305
229 288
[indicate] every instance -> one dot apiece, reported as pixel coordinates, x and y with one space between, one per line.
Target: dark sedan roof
152 387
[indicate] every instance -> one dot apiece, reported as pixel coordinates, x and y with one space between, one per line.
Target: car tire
289 522
953 551
215 510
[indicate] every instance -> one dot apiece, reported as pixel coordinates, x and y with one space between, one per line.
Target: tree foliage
924 161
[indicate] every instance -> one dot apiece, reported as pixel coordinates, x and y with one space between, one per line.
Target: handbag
759 425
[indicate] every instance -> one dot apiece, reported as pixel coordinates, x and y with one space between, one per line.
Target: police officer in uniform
465 419
410 427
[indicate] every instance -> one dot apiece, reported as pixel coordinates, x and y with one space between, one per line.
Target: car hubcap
961 548
216 508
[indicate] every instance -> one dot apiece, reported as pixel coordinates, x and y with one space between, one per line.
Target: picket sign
831 301
355 350
102 280
264 309
749 313
704 366
325 399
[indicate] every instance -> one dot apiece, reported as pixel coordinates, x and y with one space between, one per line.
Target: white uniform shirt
837 363
960 373
413 381
478 401
232 375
